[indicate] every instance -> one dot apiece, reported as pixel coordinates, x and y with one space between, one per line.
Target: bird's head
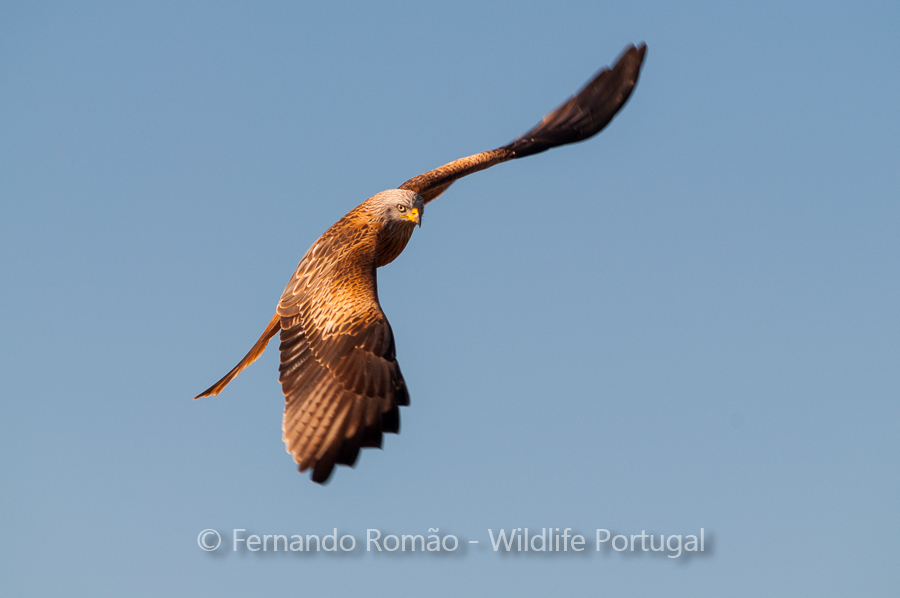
399 206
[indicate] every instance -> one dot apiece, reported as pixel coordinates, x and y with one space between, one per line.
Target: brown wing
582 116
339 373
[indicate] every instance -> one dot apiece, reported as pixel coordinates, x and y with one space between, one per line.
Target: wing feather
579 118
339 372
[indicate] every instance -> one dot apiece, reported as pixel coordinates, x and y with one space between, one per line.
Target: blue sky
687 322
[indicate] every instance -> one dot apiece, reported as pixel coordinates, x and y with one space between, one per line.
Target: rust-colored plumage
339 373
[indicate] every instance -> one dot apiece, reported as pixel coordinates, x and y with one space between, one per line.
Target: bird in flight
339 373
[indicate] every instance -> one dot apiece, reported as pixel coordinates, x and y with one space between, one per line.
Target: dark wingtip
349 452
322 471
390 420
587 112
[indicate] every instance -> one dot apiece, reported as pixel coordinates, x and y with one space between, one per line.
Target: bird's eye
401 208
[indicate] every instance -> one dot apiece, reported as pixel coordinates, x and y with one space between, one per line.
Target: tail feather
257 350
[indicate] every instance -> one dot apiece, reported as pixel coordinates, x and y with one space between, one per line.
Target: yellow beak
413 216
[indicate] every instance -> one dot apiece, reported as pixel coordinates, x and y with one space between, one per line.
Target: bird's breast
392 240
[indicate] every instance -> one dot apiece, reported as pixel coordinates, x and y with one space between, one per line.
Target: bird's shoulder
341 262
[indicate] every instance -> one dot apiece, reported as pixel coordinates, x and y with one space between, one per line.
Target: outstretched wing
339 373
582 116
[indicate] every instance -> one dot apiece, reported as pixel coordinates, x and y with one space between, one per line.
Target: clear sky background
688 321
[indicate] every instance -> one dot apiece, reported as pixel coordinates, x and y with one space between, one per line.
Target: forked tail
257 350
